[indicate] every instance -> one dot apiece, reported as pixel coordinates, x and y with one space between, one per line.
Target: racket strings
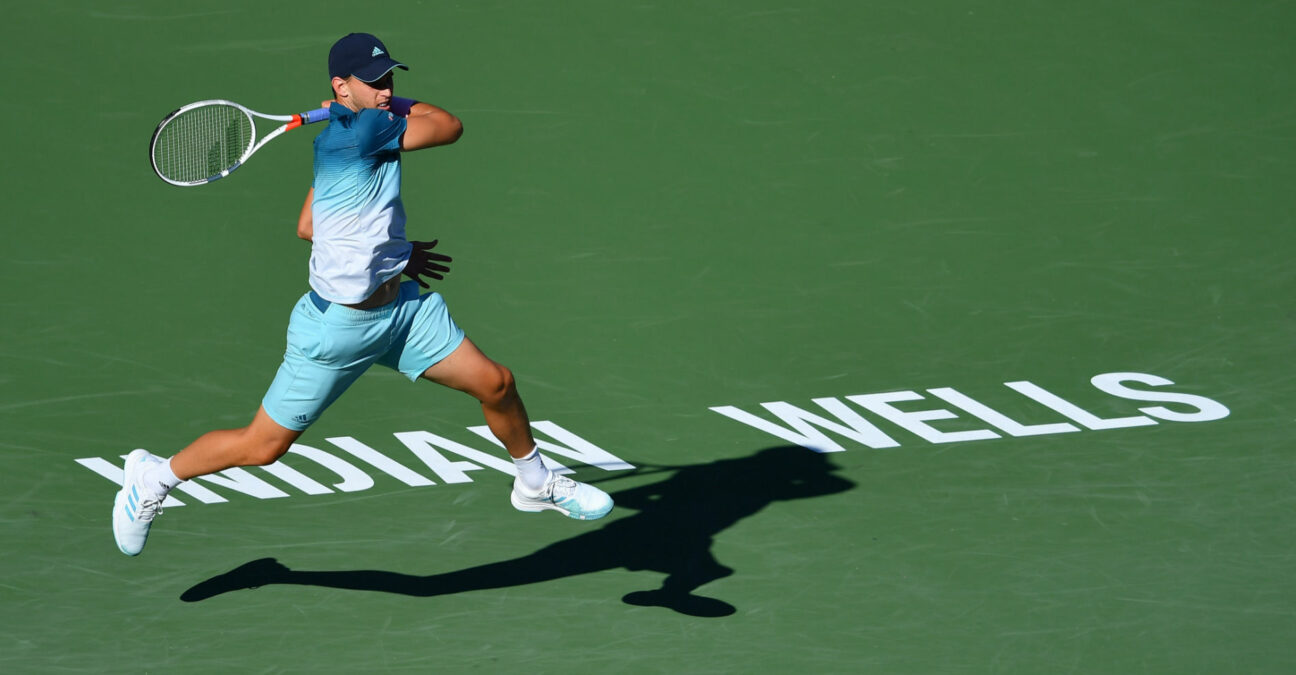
202 142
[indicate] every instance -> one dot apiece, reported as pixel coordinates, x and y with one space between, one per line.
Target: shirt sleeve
378 131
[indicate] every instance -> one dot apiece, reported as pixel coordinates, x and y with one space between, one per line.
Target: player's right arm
428 126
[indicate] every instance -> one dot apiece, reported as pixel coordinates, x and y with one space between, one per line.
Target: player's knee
266 454
499 386
260 452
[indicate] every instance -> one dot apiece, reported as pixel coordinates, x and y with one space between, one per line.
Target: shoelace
148 510
563 487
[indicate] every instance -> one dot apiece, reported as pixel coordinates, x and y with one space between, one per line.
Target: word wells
946 415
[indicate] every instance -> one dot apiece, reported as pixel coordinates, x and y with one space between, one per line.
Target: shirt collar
338 110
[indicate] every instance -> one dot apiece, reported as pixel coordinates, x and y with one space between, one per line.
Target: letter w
804 434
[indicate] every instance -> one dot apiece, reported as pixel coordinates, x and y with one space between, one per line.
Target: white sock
160 478
532 471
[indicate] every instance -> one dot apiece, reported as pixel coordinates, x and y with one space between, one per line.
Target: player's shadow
677 521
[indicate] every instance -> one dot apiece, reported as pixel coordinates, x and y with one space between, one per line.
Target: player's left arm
305 221
426 125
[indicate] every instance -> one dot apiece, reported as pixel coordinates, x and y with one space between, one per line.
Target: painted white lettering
380 461
997 419
803 434
424 445
1074 412
200 493
573 447
577 448
1207 410
296 478
553 464
916 420
239 480
353 479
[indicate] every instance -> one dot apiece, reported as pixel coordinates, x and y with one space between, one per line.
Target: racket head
202 142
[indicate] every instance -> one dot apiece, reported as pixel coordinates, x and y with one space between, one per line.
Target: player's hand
424 263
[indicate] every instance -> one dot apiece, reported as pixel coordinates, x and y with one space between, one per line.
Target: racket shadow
672 533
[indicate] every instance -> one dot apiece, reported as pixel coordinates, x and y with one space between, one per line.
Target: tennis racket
207 140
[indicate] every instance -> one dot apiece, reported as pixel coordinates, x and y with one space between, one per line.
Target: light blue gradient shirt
358 218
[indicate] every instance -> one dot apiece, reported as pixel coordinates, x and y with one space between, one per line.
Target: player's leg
433 348
329 347
536 488
429 345
147 478
468 370
262 442
322 359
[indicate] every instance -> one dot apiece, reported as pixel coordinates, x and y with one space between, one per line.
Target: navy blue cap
362 55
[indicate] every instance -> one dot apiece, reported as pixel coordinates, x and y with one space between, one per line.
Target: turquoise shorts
330 345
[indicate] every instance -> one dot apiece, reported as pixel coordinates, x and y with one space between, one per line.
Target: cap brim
376 70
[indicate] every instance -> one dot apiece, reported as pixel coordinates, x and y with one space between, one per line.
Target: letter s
1207 410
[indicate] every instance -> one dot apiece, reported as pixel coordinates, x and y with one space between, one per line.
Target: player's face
376 94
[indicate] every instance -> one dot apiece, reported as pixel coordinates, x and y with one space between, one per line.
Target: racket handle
316 115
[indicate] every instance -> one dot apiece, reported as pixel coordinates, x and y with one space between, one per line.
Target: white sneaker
135 505
564 495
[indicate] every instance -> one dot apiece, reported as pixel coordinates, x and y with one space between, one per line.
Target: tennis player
359 312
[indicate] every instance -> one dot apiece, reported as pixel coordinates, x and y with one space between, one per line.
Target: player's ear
340 88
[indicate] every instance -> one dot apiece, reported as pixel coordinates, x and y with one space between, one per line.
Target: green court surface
942 337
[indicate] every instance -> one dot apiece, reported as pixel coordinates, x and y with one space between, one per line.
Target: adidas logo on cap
377 52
